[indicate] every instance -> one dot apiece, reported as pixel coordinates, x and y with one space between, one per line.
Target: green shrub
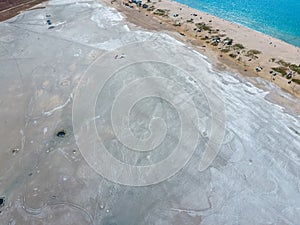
253 52
280 69
232 55
161 12
297 81
225 50
283 63
151 8
203 26
228 41
238 46
295 68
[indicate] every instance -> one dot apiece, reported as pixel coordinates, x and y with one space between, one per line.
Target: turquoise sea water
278 18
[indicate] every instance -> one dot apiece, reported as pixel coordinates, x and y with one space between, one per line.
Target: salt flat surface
46 179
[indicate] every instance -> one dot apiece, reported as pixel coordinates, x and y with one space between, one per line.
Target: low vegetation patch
176 24
295 68
161 12
228 41
287 65
238 46
214 31
151 8
232 55
297 81
203 26
283 63
254 52
225 50
280 69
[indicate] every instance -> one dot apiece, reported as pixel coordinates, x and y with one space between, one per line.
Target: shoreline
249 52
159 16
273 32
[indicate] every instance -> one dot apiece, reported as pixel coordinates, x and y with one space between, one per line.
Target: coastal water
277 18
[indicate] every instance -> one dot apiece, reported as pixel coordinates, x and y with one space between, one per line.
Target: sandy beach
251 53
